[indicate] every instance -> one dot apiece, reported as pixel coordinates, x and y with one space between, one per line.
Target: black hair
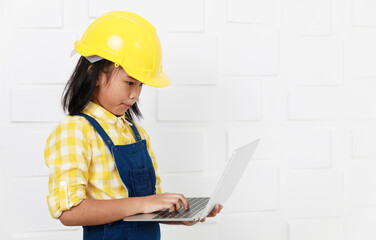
80 87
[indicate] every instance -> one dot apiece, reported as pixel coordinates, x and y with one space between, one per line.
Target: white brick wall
300 74
2 119
307 17
203 70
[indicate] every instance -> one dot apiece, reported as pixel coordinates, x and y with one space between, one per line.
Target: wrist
132 206
142 205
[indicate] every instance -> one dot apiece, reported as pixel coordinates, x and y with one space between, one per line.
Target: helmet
127 40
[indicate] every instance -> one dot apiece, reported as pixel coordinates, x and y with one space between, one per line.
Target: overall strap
135 131
99 130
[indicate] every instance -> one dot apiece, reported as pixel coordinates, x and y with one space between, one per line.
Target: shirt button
115 149
62 183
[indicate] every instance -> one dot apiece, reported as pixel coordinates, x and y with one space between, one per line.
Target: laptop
200 207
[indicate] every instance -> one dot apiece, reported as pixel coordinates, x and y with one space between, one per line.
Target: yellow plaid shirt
80 164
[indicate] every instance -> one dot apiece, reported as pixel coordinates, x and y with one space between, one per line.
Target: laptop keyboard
195 206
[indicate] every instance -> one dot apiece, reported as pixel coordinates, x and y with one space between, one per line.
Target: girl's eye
129 83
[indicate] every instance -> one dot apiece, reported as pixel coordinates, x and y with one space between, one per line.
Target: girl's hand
217 209
159 202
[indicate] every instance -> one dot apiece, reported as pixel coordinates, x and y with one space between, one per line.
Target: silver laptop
200 207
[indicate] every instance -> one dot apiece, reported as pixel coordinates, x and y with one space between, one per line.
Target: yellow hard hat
127 40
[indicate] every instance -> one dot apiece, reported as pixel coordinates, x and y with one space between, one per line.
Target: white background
300 74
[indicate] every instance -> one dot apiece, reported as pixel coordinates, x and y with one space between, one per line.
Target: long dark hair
81 85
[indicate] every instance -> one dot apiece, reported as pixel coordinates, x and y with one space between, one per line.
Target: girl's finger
184 201
179 198
220 208
172 208
177 205
215 210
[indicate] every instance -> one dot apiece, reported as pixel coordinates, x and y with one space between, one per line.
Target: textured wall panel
46 107
253 11
31 158
309 17
314 194
44 57
191 185
148 104
180 151
211 103
165 15
59 235
360 102
188 104
270 228
359 223
182 64
240 103
2 92
274 231
27 209
240 227
200 231
214 142
97 7
361 182
316 104
257 190
3 155
178 15
360 57
76 16
352 102
215 16
308 148
315 62
364 142
236 137
316 229
36 13
363 13
249 51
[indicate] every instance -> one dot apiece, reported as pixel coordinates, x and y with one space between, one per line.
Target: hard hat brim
160 81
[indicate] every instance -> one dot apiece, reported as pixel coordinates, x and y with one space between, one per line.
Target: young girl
102 168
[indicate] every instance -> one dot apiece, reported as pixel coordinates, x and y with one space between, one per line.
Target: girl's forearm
96 212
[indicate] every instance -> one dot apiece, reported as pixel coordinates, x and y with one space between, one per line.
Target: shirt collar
102 114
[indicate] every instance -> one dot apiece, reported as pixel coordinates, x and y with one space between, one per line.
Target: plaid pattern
80 164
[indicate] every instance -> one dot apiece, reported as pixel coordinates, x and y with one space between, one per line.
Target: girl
102 168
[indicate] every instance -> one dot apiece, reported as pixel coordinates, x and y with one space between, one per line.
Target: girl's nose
135 93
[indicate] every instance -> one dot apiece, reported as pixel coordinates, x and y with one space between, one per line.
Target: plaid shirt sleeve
67 155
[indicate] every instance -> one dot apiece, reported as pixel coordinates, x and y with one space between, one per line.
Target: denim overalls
137 173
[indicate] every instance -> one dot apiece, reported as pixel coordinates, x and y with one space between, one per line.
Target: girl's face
116 92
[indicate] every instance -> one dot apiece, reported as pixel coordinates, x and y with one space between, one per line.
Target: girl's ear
98 81
101 79
89 68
